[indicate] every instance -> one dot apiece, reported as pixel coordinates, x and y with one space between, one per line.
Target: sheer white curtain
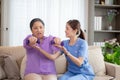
55 14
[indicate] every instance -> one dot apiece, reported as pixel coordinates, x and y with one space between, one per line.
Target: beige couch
103 70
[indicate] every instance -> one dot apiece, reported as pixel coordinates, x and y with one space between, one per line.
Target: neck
41 39
73 40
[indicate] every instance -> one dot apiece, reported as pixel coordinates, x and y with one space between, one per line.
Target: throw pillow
96 60
2 73
11 68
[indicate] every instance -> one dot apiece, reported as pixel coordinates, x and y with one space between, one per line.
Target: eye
41 27
67 28
35 28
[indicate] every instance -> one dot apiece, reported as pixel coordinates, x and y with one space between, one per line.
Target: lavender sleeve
54 48
26 42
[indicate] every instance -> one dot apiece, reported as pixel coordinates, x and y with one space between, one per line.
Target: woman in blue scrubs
76 51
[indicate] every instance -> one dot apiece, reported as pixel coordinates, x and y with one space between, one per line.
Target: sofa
17 55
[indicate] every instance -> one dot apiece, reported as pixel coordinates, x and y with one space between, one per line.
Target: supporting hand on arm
78 61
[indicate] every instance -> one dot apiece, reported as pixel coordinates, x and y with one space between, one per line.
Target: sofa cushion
17 52
22 68
2 73
11 68
96 60
60 64
105 77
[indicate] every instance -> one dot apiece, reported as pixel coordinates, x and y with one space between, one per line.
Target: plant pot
110 27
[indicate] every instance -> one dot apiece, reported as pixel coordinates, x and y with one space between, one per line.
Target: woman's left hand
62 48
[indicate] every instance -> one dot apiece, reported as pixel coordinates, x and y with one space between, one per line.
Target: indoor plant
111 51
110 15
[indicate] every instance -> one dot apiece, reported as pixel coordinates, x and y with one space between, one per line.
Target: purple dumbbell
52 42
27 42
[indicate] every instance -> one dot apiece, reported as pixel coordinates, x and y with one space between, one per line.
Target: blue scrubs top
79 49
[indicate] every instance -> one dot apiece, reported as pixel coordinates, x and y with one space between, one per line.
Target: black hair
35 20
75 24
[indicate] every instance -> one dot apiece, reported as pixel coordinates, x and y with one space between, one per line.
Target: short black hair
35 20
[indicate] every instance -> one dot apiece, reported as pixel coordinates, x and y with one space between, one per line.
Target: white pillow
2 73
96 60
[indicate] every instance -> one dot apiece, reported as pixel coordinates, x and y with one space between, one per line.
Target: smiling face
69 31
38 29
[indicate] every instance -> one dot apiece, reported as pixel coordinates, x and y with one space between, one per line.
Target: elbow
79 63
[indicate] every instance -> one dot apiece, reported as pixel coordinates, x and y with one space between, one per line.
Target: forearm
48 55
77 61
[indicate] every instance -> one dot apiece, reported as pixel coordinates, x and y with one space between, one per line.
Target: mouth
39 33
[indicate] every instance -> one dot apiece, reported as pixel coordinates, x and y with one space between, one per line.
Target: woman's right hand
32 40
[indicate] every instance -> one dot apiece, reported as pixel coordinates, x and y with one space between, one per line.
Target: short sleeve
83 50
54 48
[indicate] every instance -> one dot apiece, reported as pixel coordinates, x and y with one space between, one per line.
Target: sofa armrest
113 70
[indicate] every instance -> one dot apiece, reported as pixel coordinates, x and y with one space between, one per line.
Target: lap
50 77
34 76
72 76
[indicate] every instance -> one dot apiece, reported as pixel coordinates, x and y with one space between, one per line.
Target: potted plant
110 16
111 51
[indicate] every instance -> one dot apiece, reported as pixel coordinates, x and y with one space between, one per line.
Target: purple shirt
36 61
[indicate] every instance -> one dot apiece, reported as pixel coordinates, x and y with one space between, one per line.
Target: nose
38 29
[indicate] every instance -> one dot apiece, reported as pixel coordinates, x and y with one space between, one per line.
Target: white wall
5 22
17 14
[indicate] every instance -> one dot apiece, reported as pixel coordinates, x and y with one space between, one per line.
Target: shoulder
82 42
28 36
65 42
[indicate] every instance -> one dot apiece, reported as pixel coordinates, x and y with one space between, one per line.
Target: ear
75 31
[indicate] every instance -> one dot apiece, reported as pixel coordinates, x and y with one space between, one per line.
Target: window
54 13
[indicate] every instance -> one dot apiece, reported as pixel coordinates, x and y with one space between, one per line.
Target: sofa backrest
17 52
61 64
96 60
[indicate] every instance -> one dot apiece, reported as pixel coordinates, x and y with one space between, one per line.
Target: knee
32 76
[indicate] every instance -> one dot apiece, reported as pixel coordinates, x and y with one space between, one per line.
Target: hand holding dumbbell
52 42
33 40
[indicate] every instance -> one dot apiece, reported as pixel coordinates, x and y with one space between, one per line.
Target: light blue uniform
75 72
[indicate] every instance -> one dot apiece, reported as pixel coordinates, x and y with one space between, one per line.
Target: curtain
54 13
